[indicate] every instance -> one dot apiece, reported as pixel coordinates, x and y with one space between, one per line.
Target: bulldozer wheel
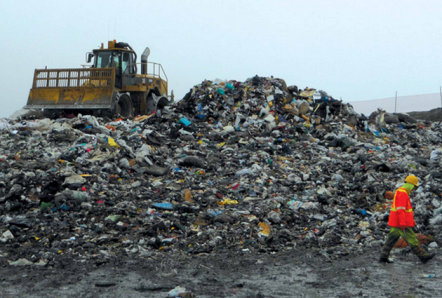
150 105
153 103
125 107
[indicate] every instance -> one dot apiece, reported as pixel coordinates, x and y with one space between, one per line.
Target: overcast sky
356 50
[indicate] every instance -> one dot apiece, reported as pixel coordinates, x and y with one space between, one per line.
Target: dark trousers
409 236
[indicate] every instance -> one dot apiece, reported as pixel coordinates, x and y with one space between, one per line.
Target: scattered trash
176 292
21 262
265 229
163 206
8 235
249 166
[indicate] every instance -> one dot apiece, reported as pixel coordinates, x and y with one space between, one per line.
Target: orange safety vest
401 212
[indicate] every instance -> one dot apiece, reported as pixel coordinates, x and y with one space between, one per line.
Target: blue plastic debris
63 207
163 206
214 213
185 121
361 211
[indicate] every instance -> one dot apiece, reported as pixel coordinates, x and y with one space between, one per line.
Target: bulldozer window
116 58
103 60
127 63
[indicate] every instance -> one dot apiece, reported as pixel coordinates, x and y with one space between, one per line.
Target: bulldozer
111 86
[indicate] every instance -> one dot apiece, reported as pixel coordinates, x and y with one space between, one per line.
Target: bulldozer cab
121 60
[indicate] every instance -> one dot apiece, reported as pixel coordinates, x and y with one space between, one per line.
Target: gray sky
356 50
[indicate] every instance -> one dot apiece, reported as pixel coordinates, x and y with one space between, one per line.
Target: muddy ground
289 274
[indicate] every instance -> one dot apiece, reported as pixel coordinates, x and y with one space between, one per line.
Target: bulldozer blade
72 98
59 89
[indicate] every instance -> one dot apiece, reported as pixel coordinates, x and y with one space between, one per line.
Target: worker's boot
422 254
428 257
385 252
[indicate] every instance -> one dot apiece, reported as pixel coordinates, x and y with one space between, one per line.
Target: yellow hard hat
412 179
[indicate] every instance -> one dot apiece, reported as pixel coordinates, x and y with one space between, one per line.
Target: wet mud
287 274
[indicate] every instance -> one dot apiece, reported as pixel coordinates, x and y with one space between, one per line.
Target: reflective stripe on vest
393 206
402 208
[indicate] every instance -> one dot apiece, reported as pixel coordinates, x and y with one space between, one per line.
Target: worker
401 221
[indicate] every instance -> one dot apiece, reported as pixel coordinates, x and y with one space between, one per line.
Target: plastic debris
251 166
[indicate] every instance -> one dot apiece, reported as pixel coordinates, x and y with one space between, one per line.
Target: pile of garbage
254 166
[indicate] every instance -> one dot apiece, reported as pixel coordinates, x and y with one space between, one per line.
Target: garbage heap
254 166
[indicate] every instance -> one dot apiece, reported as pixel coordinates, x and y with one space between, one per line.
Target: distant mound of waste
253 166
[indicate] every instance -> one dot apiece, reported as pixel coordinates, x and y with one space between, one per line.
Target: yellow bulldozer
111 86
